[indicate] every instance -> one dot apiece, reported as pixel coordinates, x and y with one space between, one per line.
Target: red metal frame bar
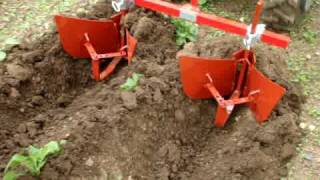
224 24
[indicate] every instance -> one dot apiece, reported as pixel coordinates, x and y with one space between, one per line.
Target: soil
154 132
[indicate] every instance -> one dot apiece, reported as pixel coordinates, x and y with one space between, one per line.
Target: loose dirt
155 132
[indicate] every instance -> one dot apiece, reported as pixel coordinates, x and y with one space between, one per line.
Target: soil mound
154 132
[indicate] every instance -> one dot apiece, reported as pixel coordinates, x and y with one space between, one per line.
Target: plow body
204 78
193 75
104 35
83 38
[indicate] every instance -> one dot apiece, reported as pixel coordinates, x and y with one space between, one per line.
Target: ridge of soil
155 132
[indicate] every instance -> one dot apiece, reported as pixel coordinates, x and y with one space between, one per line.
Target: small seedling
185 31
31 162
131 82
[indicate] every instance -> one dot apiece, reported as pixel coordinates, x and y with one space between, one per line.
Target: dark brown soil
155 132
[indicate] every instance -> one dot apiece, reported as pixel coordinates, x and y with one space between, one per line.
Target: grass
314 112
310 36
307 33
305 69
31 19
215 33
303 73
211 6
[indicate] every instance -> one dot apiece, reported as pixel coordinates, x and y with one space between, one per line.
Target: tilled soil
155 132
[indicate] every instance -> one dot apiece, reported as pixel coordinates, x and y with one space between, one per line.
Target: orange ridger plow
97 40
202 77
236 78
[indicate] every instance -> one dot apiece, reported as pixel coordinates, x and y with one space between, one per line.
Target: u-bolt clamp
120 5
252 38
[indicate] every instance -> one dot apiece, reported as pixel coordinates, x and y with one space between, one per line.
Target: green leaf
12 41
36 159
11 175
131 83
185 31
181 41
39 156
3 56
20 160
52 147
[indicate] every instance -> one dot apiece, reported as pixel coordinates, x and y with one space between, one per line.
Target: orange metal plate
193 75
269 96
222 117
104 35
132 44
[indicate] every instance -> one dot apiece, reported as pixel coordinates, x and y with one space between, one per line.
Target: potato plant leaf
131 83
33 161
185 31
39 156
11 175
18 160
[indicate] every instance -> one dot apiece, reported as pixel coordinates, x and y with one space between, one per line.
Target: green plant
31 161
310 36
204 5
301 74
131 82
185 31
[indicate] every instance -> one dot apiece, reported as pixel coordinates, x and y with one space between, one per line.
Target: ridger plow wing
83 38
201 77
204 78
